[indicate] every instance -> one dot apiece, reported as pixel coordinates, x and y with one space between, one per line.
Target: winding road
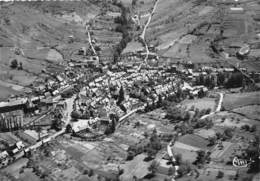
169 146
142 36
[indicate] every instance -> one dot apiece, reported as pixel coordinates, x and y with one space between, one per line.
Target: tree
212 141
221 78
121 96
208 111
134 2
171 171
228 133
14 64
90 173
68 128
38 130
236 80
160 101
245 127
57 124
184 168
155 142
153 167
151 152
209 123
201 157
252 153
173 112
75 115
178 159
220 174
253 128
20 66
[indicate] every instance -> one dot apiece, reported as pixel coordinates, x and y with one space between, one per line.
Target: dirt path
169 146
142 36
90 41
218 106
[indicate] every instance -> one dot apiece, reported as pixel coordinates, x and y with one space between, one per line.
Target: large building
11 120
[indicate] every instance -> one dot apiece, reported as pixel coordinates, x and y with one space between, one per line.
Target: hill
37 34
199 30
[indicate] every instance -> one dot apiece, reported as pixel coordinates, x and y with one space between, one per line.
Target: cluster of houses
19 113
120 91
5 156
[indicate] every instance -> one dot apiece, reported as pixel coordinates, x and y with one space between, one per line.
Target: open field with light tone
232 101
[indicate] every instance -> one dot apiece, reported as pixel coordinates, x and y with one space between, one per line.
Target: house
82 51
83 124
17 147
4 158
40 88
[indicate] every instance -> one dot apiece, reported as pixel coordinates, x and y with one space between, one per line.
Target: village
104 103
133 114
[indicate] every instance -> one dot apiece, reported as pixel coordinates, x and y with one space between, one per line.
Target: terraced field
176 20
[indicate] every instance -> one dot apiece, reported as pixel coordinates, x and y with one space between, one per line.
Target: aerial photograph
129 90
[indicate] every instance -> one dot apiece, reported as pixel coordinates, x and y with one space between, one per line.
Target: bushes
14 64
202 157
151 147
123 27
220 175
153 167
236 80
247 127
75 115
203 123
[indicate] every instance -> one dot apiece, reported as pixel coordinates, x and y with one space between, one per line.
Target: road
127 115
221 96
142 36
90 41
91 45
169 146
66 120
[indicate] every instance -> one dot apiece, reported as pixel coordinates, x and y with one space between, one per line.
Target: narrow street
66 120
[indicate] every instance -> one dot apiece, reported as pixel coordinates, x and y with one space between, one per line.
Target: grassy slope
35 27
176 19
232 101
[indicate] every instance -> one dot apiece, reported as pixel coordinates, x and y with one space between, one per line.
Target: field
135 167
14 169
205 103
28 175
194 140
232 101
252 112
225 153
9 138
5 92
174 20
144 6
230 120
187 155
133 47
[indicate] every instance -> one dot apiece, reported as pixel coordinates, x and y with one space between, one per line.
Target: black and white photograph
129 90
